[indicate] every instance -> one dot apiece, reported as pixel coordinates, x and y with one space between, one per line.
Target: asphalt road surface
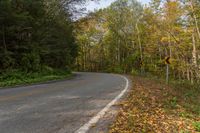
57 107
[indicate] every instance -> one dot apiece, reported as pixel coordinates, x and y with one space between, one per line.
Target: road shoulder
153 106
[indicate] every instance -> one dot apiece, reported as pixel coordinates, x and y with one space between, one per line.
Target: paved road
58 107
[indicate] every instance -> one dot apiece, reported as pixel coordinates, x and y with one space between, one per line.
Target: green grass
189 95
17 77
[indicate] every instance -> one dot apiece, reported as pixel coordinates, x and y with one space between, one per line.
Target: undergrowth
18 77
153 106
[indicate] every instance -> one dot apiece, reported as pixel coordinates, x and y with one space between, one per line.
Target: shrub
197 126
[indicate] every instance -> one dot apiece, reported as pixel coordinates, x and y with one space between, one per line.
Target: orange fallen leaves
144 111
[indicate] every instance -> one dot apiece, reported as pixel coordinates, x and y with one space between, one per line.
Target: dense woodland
37 42
128 37
36 34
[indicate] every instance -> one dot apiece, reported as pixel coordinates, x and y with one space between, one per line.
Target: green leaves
32 35
197 126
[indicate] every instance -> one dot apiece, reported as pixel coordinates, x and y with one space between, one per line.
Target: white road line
95 119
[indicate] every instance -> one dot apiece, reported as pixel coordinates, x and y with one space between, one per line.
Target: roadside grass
154 107
13 78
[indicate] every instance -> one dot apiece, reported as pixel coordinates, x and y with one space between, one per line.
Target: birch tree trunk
194 52
139 41
195 18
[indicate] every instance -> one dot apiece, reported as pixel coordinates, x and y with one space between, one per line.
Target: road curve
57 107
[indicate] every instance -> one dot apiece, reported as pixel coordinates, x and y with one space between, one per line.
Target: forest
128 37
36 40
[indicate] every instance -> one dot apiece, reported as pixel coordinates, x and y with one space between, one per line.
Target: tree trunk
188 74
139 41
195 18
119 55
4 40
194 55
192 77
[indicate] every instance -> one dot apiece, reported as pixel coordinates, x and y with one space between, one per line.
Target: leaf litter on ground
153 107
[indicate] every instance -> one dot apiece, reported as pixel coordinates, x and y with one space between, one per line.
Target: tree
134 38
36 34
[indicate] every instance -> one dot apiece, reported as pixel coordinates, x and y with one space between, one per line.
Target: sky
91 6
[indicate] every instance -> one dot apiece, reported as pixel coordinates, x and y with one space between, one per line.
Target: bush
47 69
197 126
118 69
7 62
16 77
134 72
30 62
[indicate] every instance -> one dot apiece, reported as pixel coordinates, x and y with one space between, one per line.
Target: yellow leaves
164 39
144 111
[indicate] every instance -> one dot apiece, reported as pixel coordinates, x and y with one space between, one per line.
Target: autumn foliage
153 107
